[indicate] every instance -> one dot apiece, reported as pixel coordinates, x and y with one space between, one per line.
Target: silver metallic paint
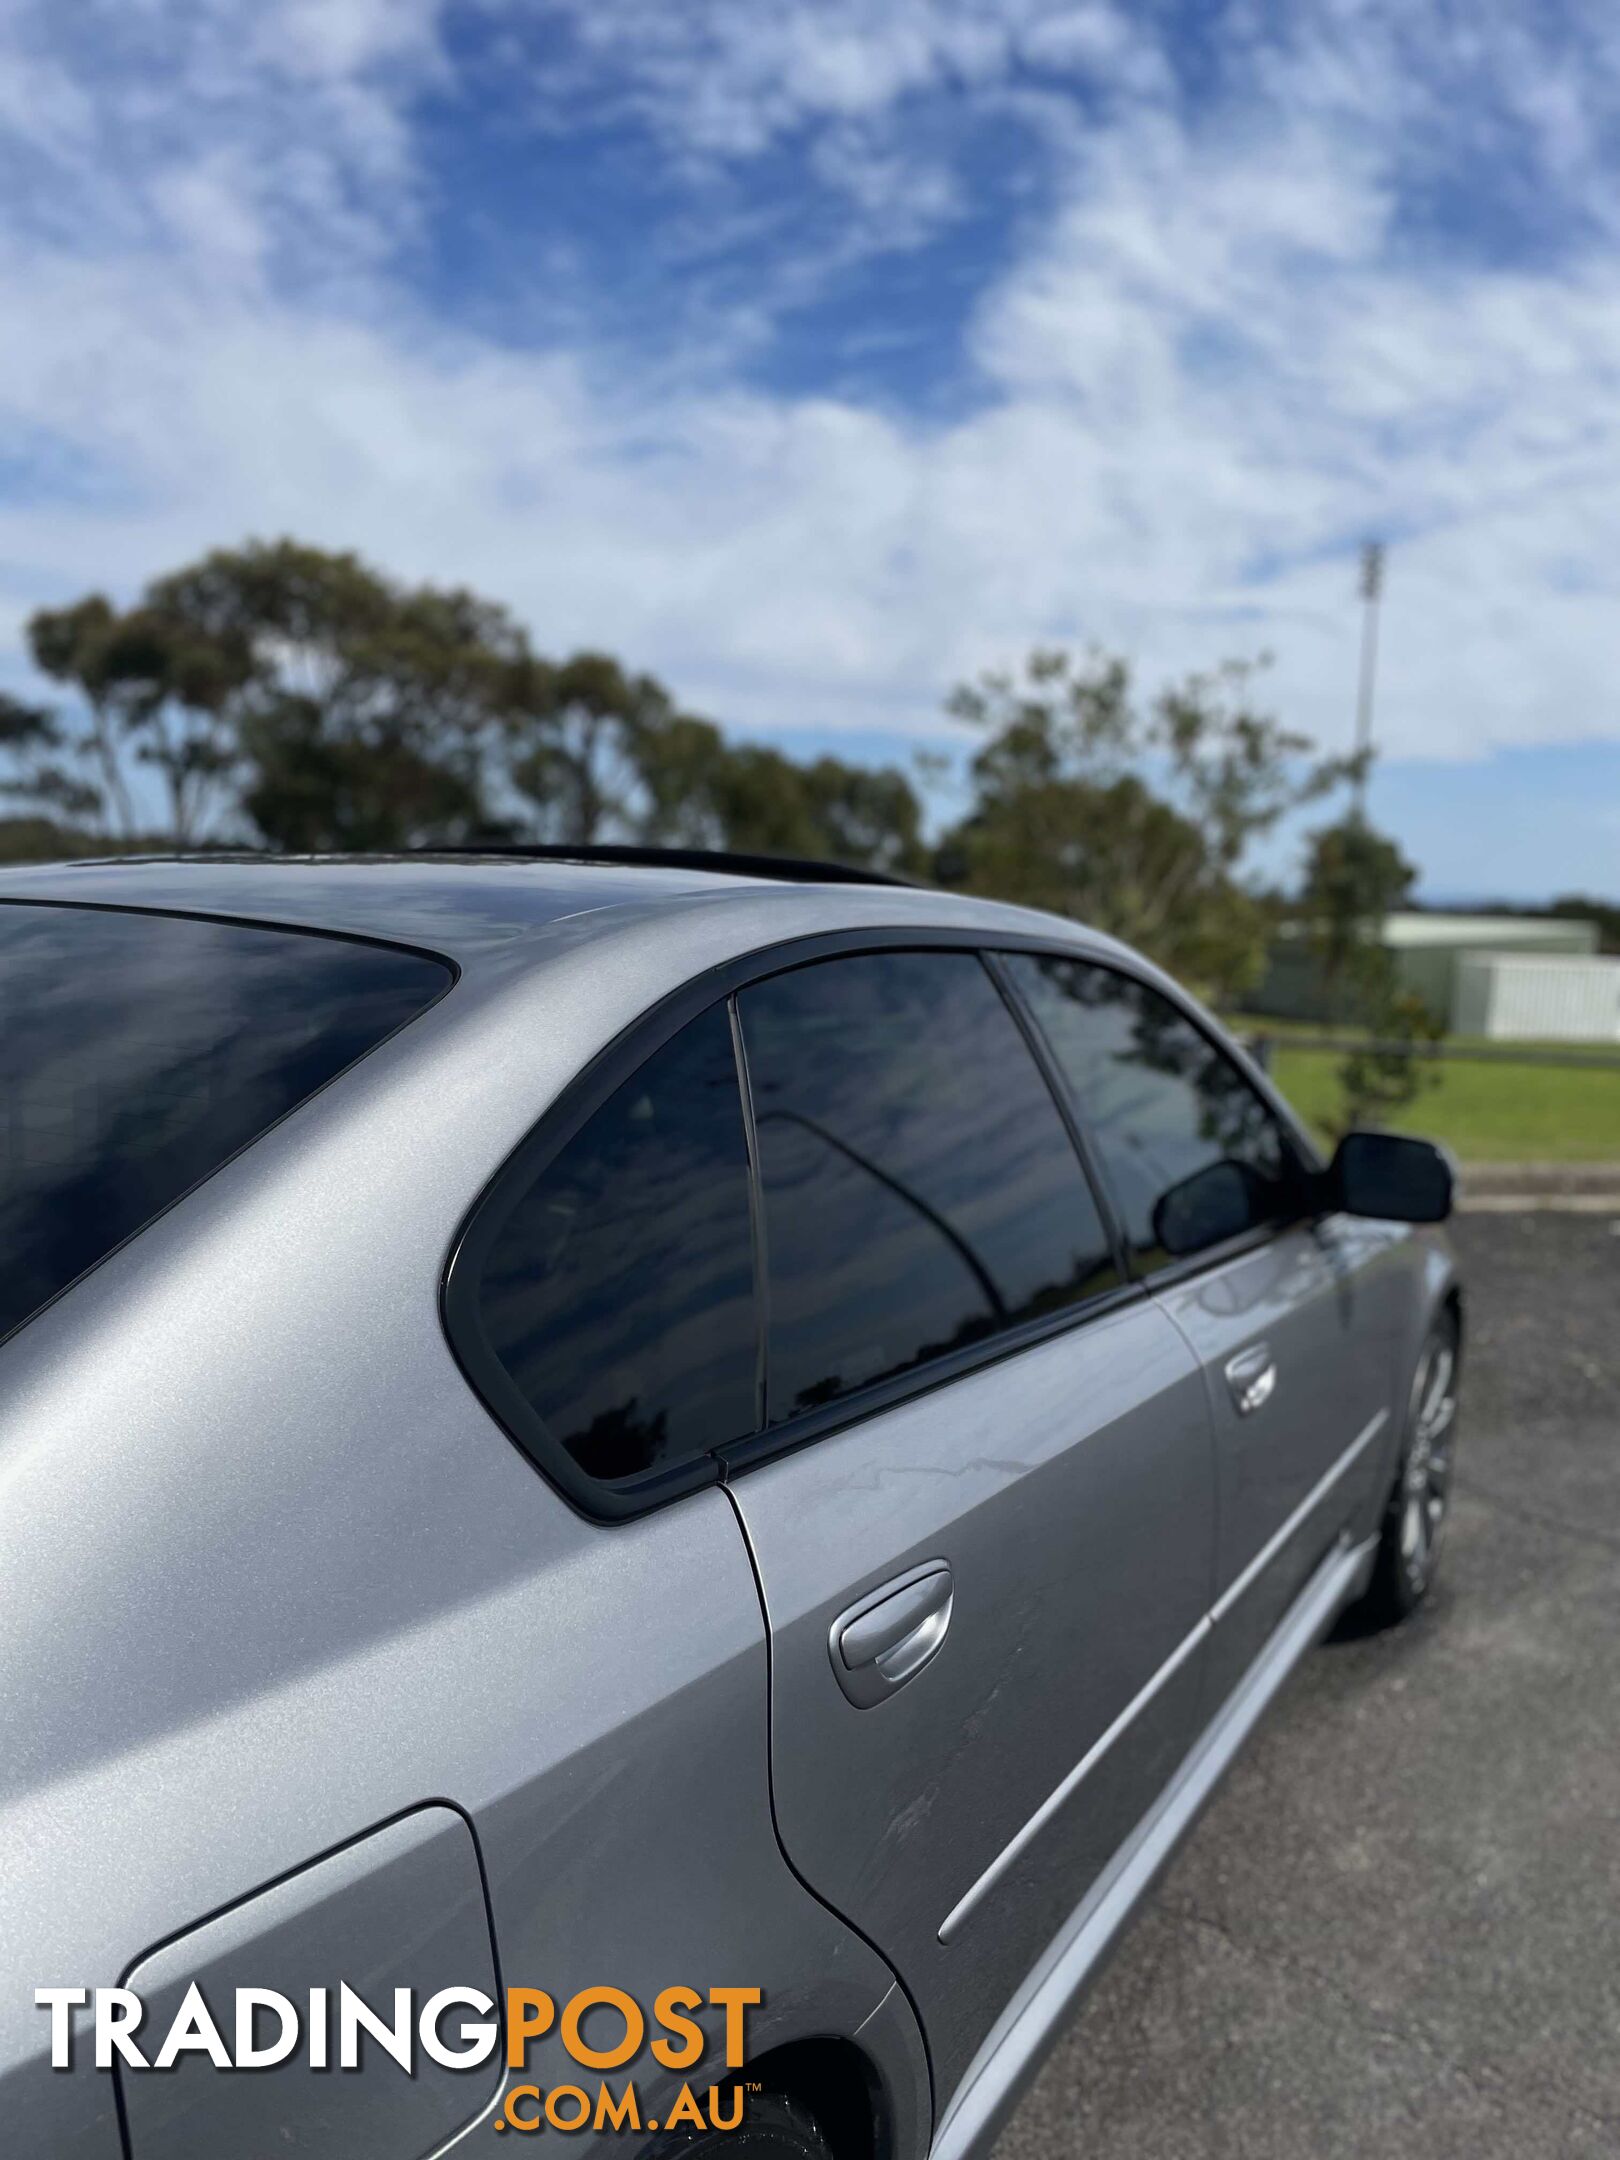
1072 1960
340 1915
1323 1297
1070 1488
275 1576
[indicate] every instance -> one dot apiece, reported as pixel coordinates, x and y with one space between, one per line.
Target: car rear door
982 1508
1291 1316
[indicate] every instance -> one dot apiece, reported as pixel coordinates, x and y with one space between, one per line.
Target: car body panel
493 917
1070 1489
1026 2028
338 1915
1319 1301
277 1577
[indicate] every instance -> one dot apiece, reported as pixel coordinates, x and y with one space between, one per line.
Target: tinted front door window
618 1290
920 1189
1191 1153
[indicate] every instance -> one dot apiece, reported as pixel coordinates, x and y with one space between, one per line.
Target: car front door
983 1524
1292 1317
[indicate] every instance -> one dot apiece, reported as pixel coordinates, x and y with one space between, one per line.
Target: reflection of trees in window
1163 1102
1231 1117
618 1290
1085 1277
921 1192
907 1193
620 1442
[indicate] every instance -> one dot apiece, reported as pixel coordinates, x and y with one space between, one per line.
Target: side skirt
1019 2039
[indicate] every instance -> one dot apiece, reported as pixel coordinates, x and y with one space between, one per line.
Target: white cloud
338 41
1216 363
727 79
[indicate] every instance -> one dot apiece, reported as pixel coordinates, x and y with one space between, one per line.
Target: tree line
300 700
283 696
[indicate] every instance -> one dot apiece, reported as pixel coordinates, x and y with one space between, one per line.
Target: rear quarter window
615 1289
140 1052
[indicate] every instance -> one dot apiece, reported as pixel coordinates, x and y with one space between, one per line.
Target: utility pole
1372 589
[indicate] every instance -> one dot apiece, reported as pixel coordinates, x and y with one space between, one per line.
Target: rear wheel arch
1452 1303
821 2098
840 2085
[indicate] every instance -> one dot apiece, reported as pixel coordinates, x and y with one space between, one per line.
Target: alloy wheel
1426 1473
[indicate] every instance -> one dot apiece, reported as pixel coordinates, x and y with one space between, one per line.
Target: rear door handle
1251 1376
888 1636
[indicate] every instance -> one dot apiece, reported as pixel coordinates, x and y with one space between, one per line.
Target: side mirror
1391 1177
1220 1201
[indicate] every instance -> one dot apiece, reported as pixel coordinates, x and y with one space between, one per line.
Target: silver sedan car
710 1458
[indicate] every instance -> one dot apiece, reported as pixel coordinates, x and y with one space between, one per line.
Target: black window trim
1102 1195
1295 1139
757 1233
590 1089
628 1051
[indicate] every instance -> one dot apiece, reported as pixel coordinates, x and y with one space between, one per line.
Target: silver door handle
1251 1376
888 1636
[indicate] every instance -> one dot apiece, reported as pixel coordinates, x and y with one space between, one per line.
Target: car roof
459 905
495 916
475 907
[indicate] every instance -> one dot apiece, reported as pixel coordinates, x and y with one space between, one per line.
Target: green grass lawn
1483 1113
1247 1024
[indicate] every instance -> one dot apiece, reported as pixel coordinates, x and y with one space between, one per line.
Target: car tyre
774 2127
1415 1515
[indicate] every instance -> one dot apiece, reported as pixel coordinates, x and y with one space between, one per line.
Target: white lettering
249 2054
477 2041
193 2032
354 2013
59 2001
114 2031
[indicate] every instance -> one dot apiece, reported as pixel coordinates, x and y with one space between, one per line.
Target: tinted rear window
921 1191
139 1052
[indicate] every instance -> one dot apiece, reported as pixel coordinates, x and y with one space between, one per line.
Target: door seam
826 1904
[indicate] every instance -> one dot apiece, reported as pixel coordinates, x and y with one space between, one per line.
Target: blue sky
817 353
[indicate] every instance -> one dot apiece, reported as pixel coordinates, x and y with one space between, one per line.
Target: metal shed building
1500 975
1507 996
1431 951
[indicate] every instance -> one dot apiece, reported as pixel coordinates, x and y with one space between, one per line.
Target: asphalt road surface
1397 1930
